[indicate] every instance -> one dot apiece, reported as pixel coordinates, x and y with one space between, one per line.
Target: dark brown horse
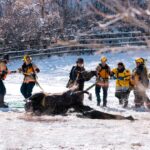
60 103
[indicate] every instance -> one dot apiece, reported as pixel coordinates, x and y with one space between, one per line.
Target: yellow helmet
25 57
139 60
103 59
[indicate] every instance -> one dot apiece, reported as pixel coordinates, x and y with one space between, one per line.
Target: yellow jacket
122 78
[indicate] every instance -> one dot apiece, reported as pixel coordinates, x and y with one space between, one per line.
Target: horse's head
87 75
34 102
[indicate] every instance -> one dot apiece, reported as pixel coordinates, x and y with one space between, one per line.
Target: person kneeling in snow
29 71
140 82
122 76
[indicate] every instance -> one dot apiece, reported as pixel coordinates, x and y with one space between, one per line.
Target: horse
60 103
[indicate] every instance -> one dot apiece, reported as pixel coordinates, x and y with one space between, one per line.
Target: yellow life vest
28 69
103 71
103 75
122 78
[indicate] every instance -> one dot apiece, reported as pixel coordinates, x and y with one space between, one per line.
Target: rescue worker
29 71
140 82
122 76
103 73
76 76
3 73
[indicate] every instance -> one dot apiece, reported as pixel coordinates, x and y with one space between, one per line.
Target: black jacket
75 73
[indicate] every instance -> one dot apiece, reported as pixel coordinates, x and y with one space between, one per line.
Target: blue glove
113 78
120 78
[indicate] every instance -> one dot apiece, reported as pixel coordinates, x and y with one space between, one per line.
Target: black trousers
26 89
105 91
122 95
2 88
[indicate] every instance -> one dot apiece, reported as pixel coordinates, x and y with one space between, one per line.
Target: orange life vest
103 75
27 70
104 72
3 67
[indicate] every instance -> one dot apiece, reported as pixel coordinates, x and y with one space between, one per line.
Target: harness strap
44 101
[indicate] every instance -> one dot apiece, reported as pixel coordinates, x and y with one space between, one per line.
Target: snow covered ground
19 130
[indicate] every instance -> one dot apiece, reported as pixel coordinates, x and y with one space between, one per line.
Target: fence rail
133 39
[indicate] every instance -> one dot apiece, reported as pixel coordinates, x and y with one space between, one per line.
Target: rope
37 83
43 101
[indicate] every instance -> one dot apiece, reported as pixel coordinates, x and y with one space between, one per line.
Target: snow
19 130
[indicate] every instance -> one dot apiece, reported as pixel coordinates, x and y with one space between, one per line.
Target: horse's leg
94 114
89 112
82 108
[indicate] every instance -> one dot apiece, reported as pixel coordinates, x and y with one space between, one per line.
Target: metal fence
89 43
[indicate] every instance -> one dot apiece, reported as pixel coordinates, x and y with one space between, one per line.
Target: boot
125 104
104 105
138 105
2 104
120 101
98 103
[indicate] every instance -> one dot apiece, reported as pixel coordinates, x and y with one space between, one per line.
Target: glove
120 78
13 71
113 78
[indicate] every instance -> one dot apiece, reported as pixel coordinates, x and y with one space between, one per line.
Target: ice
19 130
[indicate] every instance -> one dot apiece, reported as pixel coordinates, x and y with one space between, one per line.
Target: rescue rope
37 83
